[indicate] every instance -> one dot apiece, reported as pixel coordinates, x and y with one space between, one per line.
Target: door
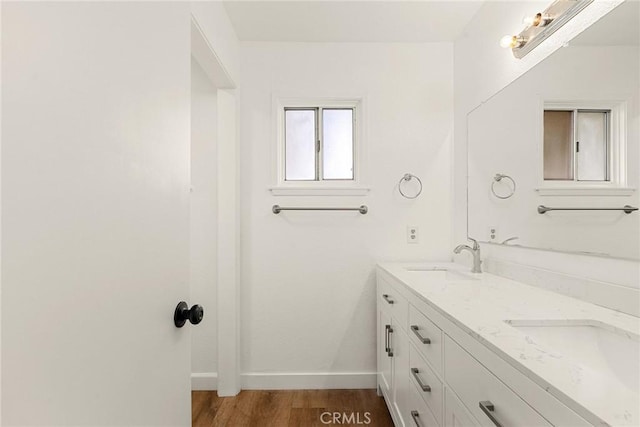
95 218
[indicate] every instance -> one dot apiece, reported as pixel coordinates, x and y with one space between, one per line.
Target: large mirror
551 153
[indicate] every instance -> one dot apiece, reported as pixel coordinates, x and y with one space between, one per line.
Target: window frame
319 143
282 186
616 152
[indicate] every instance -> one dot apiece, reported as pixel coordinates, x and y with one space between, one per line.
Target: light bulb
512 41
537 20
507 41
544 20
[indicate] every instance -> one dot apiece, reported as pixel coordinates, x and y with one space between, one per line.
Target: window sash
607 144
316 139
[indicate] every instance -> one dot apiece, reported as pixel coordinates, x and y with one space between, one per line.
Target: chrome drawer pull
415 373
386 298
389 332
415 415
386 338
422 339
488 408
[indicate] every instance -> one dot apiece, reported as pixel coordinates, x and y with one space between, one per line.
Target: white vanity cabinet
433 373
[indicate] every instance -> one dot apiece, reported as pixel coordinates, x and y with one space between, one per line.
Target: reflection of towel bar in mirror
626 208
276 209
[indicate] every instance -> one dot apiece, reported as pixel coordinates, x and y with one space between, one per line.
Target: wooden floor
290 408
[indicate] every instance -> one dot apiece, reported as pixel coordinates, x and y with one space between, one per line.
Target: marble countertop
482 308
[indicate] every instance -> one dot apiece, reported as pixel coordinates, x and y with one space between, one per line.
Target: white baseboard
204 381
306 380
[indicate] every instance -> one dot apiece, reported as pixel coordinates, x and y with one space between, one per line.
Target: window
583 148
576 145
319 147
319 143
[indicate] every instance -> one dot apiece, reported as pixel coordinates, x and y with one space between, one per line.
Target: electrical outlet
413 235
493 233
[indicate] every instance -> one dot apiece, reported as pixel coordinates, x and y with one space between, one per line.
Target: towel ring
498 178
406 178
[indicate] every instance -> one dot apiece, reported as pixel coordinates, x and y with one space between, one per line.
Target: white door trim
228 280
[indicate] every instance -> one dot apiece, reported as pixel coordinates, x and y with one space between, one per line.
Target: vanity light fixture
541 25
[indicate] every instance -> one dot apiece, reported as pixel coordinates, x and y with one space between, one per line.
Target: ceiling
620 27
350 21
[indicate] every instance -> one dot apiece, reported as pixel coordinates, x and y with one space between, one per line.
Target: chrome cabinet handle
488 408
422 339
389 332
415 415
386 298
386 338
424 387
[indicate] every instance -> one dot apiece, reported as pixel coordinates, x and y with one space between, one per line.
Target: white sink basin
599 346
441 273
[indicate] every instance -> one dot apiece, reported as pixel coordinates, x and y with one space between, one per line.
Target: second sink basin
599 346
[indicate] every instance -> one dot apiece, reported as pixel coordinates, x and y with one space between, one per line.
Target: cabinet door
455 414
401 381
385 362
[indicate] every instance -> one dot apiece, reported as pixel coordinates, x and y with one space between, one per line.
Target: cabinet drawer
427 338
423 375
419 413
392 301
477 387
455 413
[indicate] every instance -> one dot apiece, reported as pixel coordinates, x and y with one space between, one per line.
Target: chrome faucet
475 251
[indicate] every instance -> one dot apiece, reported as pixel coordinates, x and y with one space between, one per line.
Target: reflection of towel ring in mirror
498 178
406 178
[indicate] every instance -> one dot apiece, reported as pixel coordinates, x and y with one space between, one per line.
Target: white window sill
585 191
320 191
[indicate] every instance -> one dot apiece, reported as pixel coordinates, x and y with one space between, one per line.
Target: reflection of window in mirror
582 146
576 145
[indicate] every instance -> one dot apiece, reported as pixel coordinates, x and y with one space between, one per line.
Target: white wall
481 70
203 227
308 288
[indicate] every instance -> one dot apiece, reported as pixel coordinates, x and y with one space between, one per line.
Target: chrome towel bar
276 209
626 208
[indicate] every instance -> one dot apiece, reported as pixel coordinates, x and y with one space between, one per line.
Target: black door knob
184 313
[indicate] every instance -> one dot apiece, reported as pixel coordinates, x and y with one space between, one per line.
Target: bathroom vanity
459 349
